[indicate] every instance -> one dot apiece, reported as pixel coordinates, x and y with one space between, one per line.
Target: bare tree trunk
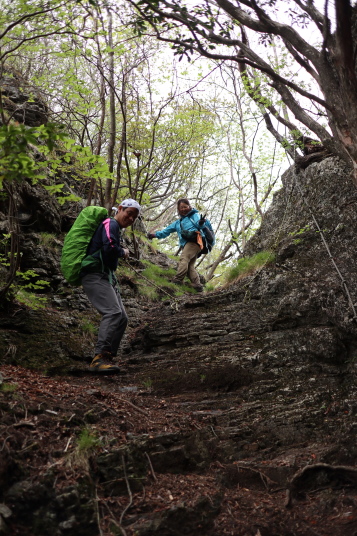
93 185
111 144
123 140
222 257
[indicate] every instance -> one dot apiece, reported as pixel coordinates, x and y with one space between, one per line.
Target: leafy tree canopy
319 86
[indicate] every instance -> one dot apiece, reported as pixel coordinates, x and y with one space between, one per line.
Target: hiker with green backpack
196 237
92 262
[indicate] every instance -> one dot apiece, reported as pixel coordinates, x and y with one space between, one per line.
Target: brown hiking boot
199 288
101 364
177 281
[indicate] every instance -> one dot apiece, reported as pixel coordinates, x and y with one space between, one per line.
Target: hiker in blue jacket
100 283
189 229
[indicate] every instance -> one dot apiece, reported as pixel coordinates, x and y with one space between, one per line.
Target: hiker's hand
151 236
126 253
202 219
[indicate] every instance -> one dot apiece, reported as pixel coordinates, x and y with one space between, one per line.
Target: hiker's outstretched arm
167 231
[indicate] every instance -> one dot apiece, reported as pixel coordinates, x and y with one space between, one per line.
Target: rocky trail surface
149 453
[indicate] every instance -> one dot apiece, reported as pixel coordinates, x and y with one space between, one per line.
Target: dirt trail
195 462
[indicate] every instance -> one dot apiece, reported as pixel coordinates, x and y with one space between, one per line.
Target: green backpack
77 241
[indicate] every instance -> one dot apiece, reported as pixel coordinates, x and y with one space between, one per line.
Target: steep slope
237 412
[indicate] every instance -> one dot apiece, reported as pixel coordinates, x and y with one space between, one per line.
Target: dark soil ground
179 472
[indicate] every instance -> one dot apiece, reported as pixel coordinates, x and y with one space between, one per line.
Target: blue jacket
187 223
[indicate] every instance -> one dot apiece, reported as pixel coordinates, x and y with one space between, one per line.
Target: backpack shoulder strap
195 224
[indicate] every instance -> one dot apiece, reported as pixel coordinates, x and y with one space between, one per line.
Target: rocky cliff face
21 100
235 403
299 307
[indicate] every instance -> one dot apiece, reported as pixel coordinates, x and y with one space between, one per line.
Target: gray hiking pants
107 300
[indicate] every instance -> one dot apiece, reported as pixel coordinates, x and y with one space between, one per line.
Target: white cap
130 203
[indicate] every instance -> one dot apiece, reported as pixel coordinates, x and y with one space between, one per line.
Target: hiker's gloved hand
151 236
126 253
202 220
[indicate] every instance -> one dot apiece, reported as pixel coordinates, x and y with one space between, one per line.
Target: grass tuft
8 387
148 291
88 327
248 265
160 276
87 441
48 240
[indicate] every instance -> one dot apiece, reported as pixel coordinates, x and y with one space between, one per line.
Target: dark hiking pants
107 300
